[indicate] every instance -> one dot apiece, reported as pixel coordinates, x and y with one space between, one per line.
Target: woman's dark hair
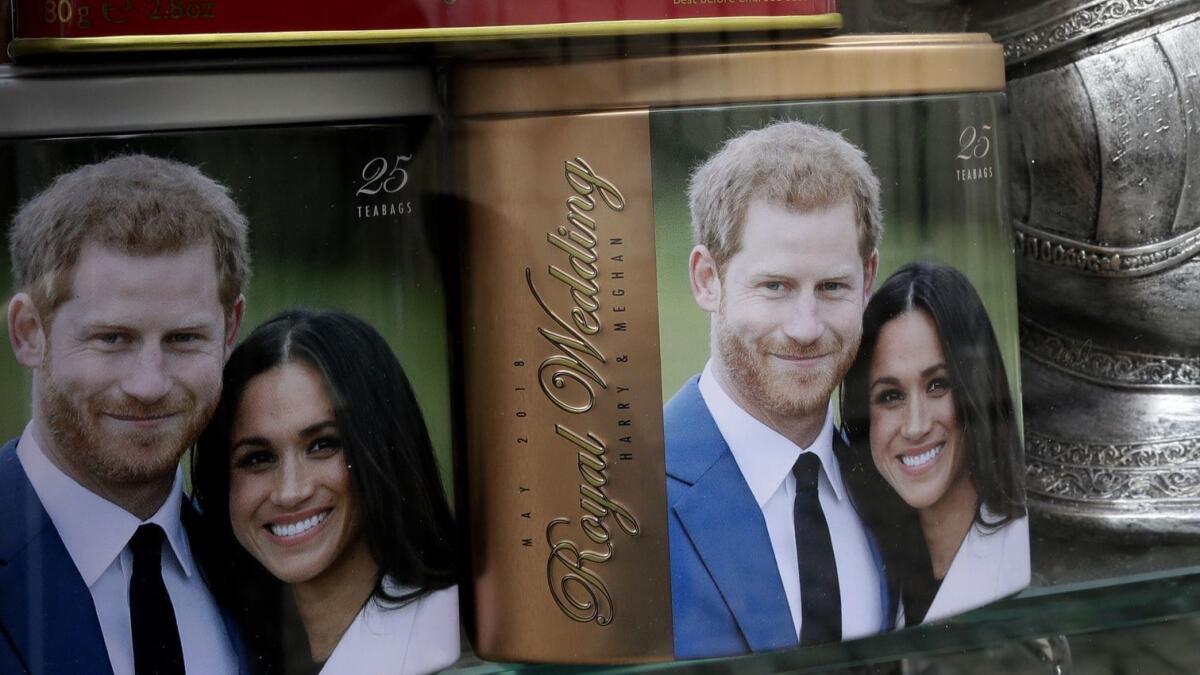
982 403
407 520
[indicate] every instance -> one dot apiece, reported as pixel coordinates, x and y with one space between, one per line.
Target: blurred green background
929 214
297 186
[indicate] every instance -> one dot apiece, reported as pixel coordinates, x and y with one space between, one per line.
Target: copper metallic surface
565 436
836 67
561 320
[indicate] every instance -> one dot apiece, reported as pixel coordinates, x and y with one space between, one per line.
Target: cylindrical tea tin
104 25
338 170
1107 213
580 325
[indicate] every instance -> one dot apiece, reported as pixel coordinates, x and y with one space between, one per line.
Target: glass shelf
1080 587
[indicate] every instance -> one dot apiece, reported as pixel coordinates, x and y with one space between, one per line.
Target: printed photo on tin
838 330
228 411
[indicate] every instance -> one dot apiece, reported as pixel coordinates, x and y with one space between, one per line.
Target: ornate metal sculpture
1105 152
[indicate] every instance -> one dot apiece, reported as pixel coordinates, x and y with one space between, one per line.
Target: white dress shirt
96 534
420 637
765 458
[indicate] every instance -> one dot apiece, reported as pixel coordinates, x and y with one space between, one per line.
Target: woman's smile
291 500
291 529
920 459
916 440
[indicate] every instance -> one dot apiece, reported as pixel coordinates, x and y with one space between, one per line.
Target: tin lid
819 68
42 102
207 24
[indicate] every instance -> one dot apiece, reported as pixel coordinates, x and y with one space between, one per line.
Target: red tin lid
117 25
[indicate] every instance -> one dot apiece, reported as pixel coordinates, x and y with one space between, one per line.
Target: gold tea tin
578 325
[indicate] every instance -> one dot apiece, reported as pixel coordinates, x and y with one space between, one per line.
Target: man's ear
233 324
26 331
870 270
705 278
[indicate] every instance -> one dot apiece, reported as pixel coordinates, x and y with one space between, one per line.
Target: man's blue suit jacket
48 621
726 593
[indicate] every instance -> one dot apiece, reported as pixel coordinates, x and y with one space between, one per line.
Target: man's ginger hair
135 204
802 167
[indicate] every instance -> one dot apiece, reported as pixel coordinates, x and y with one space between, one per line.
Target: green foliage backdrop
310 247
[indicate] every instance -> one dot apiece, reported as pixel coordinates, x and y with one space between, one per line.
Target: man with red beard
767 551
129 276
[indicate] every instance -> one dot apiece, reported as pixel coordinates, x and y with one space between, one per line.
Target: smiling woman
934 457
292 504
317 476
916 440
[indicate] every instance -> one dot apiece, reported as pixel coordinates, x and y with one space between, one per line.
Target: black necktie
820 596
156 648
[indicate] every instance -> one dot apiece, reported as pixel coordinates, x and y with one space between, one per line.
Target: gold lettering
569 366
598 504
578 591
570 377
583 291
570 248
594 529
585 181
